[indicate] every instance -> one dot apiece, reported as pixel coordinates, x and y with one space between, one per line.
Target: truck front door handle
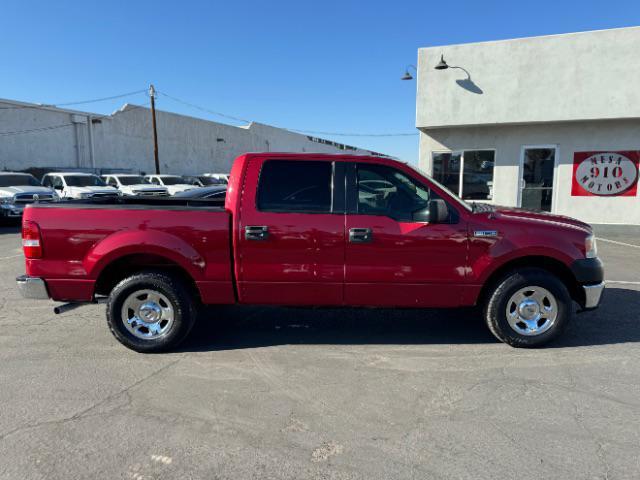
256 233
360 235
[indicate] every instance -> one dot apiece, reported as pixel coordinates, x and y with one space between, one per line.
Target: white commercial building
549 123
41 138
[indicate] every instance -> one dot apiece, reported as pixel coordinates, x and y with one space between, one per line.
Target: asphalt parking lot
328 394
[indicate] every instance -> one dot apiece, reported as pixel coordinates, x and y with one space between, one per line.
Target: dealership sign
605 174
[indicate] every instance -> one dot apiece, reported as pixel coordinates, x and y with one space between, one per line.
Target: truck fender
486 266
130 242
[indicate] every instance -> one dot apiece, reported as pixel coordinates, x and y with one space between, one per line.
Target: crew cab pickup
311 230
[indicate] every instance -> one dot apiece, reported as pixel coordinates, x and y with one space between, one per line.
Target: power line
313 132
208 110
62 125
198 107
41 129
81 102
101 99
340 134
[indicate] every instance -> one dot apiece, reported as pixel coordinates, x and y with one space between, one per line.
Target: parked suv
130 184
20 189
174 183
78 185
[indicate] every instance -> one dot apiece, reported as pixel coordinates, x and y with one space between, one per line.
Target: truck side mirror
436 211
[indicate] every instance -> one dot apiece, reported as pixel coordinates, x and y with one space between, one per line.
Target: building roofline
531 37
127 107
43 106
532 122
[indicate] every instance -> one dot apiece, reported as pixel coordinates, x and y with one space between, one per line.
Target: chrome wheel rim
147 314
532 311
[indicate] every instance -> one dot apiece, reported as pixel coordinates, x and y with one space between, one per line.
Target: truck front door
291 235
392 260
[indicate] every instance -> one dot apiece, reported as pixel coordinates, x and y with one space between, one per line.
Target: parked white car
221 177
20 189
130 184
174 183
78 185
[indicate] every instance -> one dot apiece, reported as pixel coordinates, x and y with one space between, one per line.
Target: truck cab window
295 186
386 191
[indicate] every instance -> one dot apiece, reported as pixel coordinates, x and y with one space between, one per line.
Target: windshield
84 181
18 181
133 180
173 181
453 196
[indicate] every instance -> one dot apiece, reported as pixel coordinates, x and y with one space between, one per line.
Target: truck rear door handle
256 233
360 235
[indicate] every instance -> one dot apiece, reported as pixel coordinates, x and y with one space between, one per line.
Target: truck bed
82 238
141 202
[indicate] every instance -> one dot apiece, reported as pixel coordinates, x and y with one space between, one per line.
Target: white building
550 123
39 138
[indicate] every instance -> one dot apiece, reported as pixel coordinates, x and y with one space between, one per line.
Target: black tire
173 289
495 310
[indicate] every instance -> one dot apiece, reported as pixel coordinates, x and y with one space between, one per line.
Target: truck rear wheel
528 308
150 312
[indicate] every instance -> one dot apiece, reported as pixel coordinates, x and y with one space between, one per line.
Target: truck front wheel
150 312
528 308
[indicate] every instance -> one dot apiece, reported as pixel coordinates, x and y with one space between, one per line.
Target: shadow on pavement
616 321
9 226
229 328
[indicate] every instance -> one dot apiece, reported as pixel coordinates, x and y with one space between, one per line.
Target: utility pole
152 94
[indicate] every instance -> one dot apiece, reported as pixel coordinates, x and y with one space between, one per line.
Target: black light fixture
407 75
442 65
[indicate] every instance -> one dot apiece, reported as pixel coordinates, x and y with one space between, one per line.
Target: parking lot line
622 282
618 243
11 256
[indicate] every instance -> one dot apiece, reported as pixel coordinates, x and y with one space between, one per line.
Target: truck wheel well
129 265
549 264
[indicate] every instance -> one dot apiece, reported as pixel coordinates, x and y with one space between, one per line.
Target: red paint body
307 259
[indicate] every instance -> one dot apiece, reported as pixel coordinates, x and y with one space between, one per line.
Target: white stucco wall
186 145
605 135
578 76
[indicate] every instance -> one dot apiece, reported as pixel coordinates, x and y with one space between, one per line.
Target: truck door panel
404 263
291 235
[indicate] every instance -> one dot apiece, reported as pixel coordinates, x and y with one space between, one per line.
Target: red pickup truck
317 230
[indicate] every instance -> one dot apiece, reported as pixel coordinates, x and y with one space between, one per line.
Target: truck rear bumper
592 295
32 287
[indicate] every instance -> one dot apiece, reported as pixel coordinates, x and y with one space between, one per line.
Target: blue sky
324 65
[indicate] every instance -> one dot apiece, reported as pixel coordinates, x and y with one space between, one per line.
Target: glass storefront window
469 173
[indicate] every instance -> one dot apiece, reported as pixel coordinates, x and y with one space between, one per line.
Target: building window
468 174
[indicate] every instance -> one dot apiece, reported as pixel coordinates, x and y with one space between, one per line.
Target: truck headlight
590 247
4 201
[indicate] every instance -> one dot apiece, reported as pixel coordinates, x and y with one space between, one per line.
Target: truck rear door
291 233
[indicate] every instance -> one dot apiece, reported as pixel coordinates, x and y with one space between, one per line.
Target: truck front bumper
589 272
592 295
32 287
